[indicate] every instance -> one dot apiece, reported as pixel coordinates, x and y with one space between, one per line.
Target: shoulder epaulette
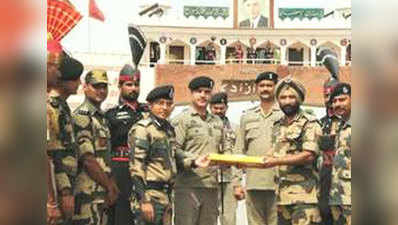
254 108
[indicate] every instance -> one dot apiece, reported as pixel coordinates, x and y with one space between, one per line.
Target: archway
298 54
178 52
207 52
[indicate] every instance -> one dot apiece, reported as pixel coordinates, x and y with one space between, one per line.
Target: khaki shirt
254 139
228 174
340 190
92 135
195 137
299 183
61 146
154 157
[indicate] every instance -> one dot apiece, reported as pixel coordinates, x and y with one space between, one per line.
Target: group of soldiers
132 165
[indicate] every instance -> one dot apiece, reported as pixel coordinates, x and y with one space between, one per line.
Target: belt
121 154
159 186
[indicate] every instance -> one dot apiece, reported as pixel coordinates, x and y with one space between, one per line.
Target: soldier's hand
269 162
112 195
239 193
202 161
147 211
68 205
53 214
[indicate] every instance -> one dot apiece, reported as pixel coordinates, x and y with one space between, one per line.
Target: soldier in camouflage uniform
330 124
219 107
95 188
153 167
254 139
295 148
340 190
61 145
54 54
121 118
198 133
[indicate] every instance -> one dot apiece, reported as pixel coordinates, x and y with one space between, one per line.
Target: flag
137 44
95 12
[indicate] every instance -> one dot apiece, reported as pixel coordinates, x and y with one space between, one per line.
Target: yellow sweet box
236 160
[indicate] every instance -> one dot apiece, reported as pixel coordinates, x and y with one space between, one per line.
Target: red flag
95 12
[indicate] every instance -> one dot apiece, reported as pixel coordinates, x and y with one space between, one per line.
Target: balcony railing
236 61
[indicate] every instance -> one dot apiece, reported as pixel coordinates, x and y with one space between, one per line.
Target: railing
238 61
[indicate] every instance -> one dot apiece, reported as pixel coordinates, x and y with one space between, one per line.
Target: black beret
201 81
166 92
267 76
70 68
218 98
341 89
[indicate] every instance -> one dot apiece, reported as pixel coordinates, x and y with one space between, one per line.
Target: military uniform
92 135
120 119
154 163
297 185
197 189
340 191
330 127
254 139
226 177
61 145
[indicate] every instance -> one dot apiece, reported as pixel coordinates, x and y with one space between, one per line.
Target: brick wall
238 79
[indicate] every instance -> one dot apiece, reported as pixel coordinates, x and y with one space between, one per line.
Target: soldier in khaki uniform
219 107
95 188
254 139
153 167
295 148
61 145
198 133
340 190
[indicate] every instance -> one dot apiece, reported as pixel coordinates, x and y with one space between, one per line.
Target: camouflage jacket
195 137
340 190
254 139
61 146
92 135
154 156
299 183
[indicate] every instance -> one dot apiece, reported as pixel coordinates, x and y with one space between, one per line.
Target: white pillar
306 56
147 55
193 54
223 54
343 55
313 56
162 59
283 55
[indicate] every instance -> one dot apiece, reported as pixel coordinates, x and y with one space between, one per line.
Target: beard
133 96
290 110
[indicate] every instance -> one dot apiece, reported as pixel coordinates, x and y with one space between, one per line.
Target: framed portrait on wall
255 14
